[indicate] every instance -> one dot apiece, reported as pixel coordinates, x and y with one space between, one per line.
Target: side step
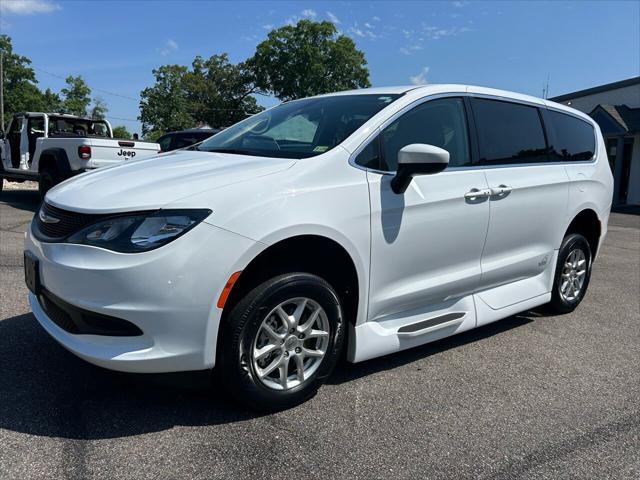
431 324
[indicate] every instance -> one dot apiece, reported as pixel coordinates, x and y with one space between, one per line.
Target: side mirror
418 159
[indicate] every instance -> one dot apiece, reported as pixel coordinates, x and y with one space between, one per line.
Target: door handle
476 193
501 190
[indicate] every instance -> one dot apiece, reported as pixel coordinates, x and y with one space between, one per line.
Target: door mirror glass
418 159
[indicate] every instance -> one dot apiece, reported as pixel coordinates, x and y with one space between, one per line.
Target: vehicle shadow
47 391
27 200
351 371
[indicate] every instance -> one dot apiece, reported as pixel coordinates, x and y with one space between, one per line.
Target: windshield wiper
236 151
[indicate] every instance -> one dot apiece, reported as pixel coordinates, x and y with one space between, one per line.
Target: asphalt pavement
533 396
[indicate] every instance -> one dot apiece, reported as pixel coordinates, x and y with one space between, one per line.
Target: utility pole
1 91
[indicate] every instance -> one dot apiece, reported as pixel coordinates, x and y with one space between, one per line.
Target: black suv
184 138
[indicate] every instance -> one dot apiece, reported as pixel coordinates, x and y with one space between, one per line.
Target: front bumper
169 293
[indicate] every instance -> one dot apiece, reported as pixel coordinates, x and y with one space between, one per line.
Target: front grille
67 223
79 321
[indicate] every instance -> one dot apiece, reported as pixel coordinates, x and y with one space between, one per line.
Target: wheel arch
587 223
56 157
311 253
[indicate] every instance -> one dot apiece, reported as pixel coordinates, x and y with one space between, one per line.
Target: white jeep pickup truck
51 147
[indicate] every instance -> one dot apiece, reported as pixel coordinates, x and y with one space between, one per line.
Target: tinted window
509 132
573 138
185 139
369 157
441 123
300 128
164 142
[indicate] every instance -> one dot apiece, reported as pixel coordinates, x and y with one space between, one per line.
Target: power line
107 92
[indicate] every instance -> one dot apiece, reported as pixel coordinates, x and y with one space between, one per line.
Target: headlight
139 232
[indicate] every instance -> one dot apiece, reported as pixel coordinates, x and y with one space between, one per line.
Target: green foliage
213 92
306 59
77 96
219 91
51 102
165 106
20 91
99 109
121 132
152 135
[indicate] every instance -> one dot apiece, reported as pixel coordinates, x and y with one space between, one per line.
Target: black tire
1 185
242 326
49 178
559 302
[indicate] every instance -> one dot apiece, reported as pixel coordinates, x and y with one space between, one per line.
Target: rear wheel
573 272
49 178
281 341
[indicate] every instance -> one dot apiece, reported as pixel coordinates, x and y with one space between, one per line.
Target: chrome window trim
419 101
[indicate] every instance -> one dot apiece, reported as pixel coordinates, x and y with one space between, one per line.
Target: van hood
152 183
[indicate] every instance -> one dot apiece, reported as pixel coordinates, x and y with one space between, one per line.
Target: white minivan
363 222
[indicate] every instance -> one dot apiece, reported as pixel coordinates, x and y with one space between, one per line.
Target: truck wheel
281 341
49 178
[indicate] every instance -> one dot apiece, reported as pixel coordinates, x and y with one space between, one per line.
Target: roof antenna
545 90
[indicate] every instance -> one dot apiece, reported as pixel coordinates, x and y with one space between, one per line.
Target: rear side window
509 133
573 139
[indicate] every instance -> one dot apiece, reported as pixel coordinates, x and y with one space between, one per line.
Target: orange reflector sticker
227 289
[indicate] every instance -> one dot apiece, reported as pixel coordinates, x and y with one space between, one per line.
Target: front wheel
573 272
281 342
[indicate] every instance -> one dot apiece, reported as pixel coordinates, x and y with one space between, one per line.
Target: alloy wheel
290 344
573 275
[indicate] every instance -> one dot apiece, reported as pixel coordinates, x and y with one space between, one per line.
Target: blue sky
115 45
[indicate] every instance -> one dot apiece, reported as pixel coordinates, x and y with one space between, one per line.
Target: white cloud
376 19
460 4
268 27
368 25
28 7
168 48
420 78
309 13
333 18
356 31
410 49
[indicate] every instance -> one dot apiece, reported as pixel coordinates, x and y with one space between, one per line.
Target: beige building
616 108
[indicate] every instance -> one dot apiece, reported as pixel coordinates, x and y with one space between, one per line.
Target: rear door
528 207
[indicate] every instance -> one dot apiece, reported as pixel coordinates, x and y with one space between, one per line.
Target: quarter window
574 139
509 133
441 123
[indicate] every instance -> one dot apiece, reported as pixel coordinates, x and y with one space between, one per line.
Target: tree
166 106
77 96
306 59
213 92
99 109
220 92
121 132
51 102
20 91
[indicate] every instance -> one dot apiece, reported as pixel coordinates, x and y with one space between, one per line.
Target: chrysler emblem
44 218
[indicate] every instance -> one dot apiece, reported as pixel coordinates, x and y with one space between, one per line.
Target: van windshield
77 127
300 128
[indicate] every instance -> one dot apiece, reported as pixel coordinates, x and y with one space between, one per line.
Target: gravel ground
532 396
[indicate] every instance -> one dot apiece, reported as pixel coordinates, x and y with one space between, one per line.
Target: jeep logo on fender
126 153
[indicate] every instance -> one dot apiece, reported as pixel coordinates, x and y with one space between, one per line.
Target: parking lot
532 396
